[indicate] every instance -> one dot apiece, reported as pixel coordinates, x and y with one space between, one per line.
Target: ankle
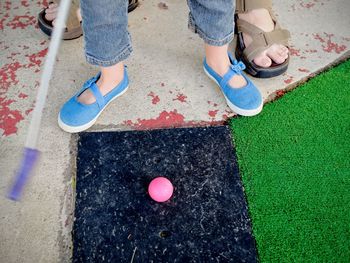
217 58
220 66
111 76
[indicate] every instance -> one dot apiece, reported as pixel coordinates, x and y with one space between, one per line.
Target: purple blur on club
28 161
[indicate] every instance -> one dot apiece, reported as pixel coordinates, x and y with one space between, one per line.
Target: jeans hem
123 55
213 42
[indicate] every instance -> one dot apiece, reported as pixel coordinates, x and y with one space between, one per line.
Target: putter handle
27 164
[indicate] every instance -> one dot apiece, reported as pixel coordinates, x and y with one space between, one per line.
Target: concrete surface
168 89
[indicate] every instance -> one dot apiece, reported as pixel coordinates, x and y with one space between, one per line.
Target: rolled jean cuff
123 55
210 41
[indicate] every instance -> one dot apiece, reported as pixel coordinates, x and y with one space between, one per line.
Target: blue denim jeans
105 26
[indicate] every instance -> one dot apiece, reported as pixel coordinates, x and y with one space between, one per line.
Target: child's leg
107 45
213 21
217 59
107 41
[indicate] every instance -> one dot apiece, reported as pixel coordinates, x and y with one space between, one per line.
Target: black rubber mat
206 220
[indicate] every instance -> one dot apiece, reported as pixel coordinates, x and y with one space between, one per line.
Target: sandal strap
262 40
243 6
72 19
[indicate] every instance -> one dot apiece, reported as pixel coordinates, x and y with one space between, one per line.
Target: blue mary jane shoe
245 101
75 116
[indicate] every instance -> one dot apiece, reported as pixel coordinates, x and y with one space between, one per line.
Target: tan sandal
261 40
73 29
73 26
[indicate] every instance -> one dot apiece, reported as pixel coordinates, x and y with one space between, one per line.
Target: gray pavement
168 89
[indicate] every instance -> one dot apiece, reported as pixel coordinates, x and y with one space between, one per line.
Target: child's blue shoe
245 101
76 116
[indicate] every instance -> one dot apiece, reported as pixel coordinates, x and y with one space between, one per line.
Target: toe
263 60
276 54
51 12
52 8
284 49
50 17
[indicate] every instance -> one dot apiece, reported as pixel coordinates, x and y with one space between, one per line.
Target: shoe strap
243 6
235 69
97 94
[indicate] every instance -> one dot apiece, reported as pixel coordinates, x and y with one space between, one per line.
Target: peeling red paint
280 93
311 51
21 21
212 113
289 80
169 119
294 52
8 76
2 20
36 58
303 70
28 111
22 95
328 45
42 3
7 5
307 5
224 117
155 98
8 118
181 97
165 119
25 3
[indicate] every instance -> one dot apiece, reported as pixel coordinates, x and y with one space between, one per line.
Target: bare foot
262 19
110 78
217 58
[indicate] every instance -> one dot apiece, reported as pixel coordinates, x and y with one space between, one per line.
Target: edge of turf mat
279 93
292 159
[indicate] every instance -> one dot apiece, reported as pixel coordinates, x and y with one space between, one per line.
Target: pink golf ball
160 189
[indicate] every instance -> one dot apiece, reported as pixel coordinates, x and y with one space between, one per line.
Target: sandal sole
47 28
262 73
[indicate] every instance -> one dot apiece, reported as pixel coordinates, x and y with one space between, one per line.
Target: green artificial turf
294 160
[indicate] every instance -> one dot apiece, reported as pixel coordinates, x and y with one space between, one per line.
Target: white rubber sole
233 107
75 129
